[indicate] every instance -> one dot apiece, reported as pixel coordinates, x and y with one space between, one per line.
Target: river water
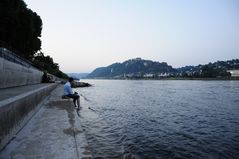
161 119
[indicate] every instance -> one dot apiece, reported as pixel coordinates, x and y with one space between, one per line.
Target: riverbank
53 132
170 78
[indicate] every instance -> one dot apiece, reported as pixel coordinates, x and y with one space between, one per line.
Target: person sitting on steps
69 92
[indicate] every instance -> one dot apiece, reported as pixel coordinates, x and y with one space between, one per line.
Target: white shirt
67 88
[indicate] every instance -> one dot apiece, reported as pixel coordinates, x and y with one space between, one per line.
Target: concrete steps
51 129
17 106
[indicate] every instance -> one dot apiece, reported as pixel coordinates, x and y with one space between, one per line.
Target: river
161 119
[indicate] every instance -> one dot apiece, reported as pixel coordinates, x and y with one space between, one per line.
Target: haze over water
162 119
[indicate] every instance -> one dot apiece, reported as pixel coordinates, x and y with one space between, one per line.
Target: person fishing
69 92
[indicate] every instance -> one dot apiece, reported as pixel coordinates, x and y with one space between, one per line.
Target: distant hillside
132 68
216 69
140 68
77 75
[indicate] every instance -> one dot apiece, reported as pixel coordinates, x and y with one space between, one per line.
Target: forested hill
133 67
139 68
212 70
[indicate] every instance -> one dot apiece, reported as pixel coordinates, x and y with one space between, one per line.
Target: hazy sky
82 35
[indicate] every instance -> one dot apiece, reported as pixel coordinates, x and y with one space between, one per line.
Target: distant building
149 75
128 75
163 74
234 73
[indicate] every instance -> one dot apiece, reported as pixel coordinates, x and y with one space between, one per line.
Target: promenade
54 132
7 93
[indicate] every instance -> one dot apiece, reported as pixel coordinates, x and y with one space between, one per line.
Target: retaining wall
13 74
16 111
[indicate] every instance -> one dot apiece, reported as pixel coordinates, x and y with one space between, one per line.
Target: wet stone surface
54 132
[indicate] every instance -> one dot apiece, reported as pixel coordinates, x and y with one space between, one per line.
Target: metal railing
10 56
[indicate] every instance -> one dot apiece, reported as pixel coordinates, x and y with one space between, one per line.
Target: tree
20 28
46 63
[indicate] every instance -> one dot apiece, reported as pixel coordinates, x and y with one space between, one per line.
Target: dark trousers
74 97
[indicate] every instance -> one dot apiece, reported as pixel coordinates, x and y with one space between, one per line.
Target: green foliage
46 63
20 27
217 69
20 32
210 70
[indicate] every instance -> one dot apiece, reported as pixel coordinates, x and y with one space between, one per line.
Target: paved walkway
54 132
14 91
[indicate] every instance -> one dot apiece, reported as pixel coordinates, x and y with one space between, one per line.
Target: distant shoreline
171 78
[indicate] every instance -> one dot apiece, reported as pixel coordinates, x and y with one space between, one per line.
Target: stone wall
13 74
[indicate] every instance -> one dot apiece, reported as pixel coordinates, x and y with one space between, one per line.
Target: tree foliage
20 32
210 70
20 28
46 63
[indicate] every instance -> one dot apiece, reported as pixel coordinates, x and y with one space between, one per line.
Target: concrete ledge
54 132
16 111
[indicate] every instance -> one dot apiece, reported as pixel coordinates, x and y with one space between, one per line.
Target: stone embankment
17 105
53 132
16 72
35 123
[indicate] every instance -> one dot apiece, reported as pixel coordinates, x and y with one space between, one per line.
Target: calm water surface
162 119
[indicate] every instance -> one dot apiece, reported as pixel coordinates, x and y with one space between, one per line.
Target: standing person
69 92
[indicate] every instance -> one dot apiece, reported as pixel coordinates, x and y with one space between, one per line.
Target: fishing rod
87 101
91 109
85 98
